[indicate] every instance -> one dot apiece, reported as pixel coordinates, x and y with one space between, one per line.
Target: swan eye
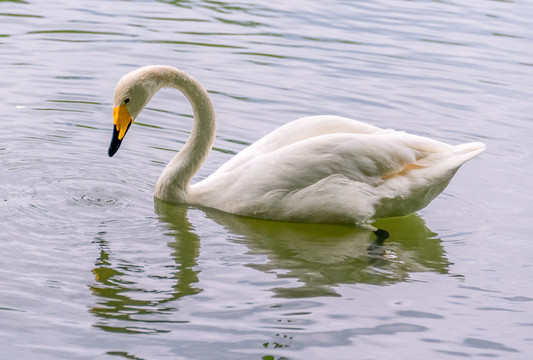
127 101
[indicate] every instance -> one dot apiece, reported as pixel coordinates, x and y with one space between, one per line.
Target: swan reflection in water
319 257
122 297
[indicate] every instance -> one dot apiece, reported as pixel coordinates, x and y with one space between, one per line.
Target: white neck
173 184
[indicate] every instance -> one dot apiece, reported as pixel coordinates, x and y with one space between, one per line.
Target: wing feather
296 131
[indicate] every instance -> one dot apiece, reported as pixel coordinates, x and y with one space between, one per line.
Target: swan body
319 169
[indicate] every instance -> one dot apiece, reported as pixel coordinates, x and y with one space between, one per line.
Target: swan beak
122 122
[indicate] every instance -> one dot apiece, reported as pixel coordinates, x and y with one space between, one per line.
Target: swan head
132 93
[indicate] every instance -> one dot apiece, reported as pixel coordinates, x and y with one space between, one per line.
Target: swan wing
296 131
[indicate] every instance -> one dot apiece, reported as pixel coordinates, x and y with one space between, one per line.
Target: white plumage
320 169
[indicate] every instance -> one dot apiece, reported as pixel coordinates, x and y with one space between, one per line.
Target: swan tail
464 152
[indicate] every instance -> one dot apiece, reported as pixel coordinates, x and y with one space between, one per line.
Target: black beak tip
115 143
111 151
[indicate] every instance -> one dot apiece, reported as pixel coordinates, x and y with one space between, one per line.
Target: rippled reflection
319 257
322 257
124 297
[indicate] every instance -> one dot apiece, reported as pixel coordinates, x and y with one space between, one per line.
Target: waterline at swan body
319 169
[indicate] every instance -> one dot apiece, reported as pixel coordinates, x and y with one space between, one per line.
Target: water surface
93 267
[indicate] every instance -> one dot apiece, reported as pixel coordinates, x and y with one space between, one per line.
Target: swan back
296 131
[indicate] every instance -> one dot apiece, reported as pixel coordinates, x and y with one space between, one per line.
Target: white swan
320 169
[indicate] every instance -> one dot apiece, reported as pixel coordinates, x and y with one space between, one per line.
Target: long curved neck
173 184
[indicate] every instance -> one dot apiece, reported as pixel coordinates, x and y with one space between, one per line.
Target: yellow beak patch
121 119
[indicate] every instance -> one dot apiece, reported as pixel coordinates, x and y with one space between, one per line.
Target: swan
317 169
